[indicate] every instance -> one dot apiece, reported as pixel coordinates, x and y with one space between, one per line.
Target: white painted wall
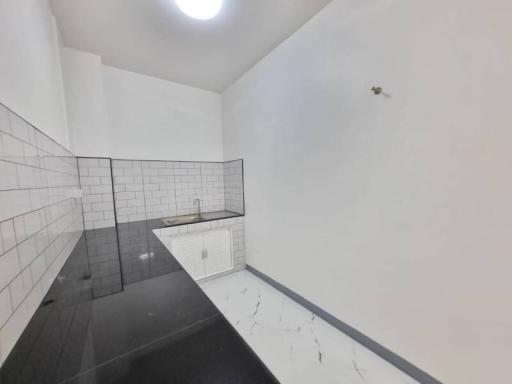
121 114
30 68
85 96
156 119
393 213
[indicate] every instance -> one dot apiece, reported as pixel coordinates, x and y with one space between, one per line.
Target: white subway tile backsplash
234 187
125 196
22 130
4 119
126 164
105 171
88 163
167 188
135 202
166 171
38 267
27 251
8 234
134 188
93 216
38 179
31 155
104 163
19 228
9 267
106 180
20 287
11 149
126 211
148 171
34 222
129 192
9 179
6 305
103 207
88 180
86 199
123 180
98 201
97 189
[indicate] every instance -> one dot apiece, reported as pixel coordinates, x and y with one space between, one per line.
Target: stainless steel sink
182 219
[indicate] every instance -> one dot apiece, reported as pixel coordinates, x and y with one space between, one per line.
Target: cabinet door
188 250
217 245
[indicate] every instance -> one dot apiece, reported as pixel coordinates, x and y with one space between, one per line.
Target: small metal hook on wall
377 90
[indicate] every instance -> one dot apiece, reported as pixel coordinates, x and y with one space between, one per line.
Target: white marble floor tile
294 344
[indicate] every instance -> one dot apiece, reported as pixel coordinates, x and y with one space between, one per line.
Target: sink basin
181 219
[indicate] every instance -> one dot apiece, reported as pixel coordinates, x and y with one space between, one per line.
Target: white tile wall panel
6 305
9 267
155 189
188 186
212 186
159 189
8 235
20 287
129 199
98 199
40 217
234 186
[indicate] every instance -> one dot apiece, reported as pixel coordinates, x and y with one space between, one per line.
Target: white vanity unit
204 254
207 249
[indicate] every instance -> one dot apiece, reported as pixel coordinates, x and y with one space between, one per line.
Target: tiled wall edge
98 205
150 189
234 187
391 357
37 129
45 228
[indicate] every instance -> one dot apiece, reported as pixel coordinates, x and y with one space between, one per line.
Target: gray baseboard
391 357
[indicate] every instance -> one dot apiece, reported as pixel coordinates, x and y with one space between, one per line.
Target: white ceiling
153 37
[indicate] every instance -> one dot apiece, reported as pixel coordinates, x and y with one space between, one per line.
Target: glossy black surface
208 216
124 311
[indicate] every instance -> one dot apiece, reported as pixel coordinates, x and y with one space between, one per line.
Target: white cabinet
204 254
217 247
189 252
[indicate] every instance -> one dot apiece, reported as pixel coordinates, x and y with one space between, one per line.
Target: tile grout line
34 285
37 129
39 230
46 219
6 160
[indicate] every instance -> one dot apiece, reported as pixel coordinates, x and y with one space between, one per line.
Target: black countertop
204 217
123 310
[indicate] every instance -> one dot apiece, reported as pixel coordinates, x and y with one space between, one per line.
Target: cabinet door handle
205 253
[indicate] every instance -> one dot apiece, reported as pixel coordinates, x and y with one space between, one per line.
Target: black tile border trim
391 357
114 192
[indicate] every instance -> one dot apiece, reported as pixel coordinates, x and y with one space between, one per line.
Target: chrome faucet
198 202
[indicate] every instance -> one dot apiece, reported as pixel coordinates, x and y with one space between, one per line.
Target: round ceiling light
200 9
